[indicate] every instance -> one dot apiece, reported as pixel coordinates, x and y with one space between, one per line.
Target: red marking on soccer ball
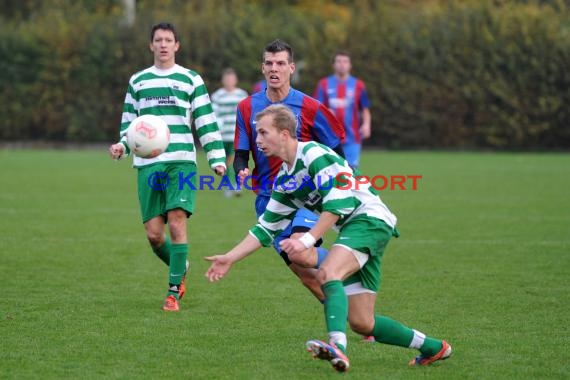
148 132
148 136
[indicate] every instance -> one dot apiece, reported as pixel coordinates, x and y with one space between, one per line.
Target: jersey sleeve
206 124
276 217
327 170
243 135
363 101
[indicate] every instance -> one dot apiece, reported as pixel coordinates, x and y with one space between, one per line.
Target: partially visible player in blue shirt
315 123
345 95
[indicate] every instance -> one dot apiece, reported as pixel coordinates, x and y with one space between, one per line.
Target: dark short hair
342 53
277 46
163 26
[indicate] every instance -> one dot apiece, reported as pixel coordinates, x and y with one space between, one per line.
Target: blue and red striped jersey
315 123
346 99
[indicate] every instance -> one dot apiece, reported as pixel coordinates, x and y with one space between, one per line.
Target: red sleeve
243 133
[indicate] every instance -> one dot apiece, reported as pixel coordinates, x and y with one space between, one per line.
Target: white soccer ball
148 136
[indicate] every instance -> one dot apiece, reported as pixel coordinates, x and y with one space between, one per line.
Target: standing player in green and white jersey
225 101
179 96
315 177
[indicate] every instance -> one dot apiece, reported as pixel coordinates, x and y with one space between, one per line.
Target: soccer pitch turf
483 262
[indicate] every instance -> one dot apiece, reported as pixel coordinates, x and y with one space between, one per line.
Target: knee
155 238
363 326
307 276
325 275
307 279
177 224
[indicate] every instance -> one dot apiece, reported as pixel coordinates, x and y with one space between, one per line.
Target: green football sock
336 306
336 312
389 331
178 256
163 252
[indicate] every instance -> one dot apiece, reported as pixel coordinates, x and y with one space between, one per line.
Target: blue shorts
303 221
352 153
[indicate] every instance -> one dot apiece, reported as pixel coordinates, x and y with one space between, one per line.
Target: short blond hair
283 118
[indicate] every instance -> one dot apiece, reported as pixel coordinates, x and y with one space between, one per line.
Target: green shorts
369 236
159 190
229 148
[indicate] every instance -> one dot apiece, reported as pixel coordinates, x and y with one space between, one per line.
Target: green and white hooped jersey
179 96
314 183
225 106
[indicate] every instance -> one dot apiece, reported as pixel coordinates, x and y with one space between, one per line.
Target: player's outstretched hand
219 268
220 170
116 151
292 246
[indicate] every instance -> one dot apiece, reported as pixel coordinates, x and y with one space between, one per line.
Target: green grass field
483 261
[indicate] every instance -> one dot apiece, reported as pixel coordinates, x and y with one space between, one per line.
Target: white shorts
362 258
356 288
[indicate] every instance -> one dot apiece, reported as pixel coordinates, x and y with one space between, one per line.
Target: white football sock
338 337
418 339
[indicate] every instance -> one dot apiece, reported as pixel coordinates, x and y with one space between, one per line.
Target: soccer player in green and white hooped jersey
309 177
179 96
224 102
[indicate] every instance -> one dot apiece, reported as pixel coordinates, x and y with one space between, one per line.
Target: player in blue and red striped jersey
315 122
345 95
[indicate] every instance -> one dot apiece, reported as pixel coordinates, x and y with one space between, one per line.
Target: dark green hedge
440 74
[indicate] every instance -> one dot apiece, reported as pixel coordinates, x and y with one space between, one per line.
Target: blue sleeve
364 102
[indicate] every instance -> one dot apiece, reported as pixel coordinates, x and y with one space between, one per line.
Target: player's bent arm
244 248
241 159
326 221
296 246
365 128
